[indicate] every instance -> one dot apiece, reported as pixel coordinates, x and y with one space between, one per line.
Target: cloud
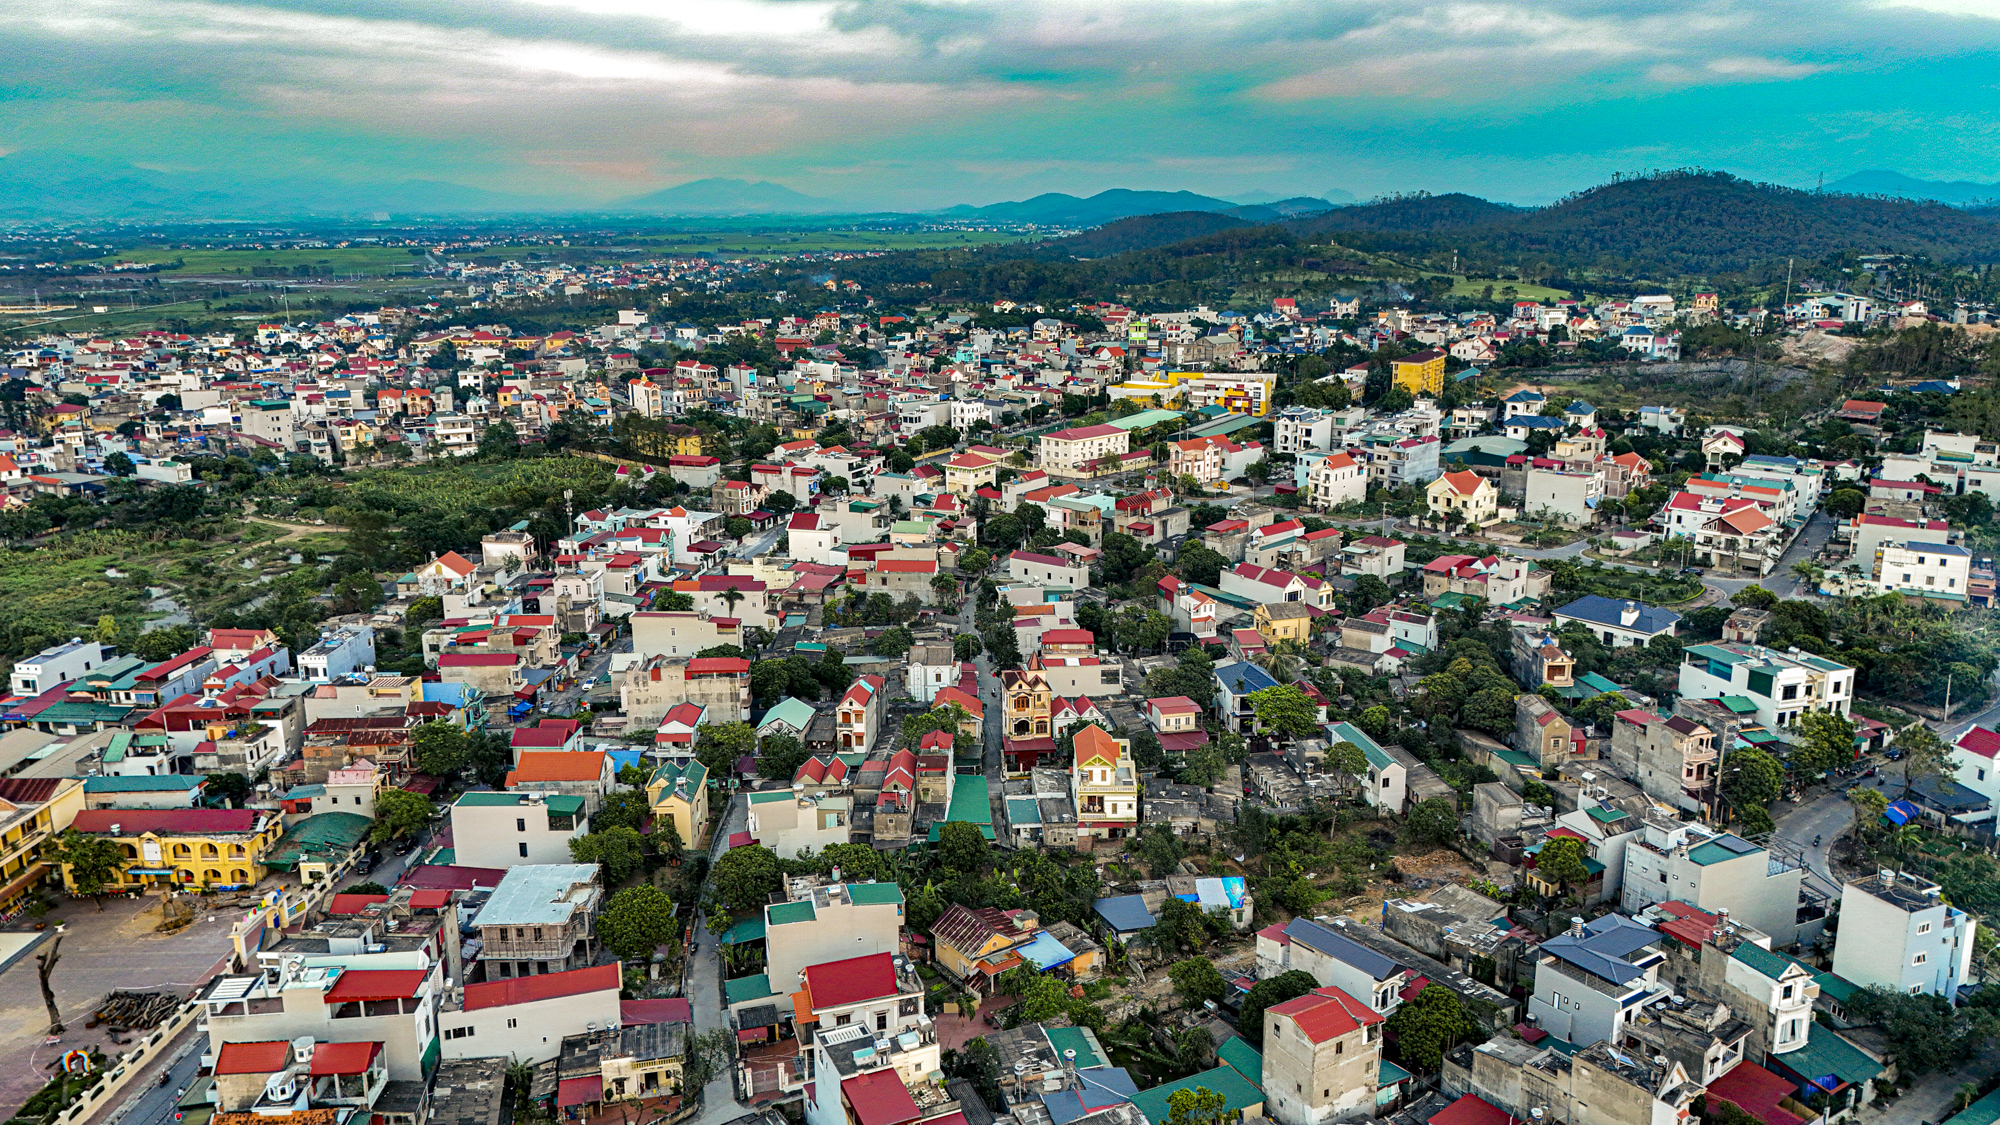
932 101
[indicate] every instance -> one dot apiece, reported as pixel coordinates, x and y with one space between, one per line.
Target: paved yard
100 952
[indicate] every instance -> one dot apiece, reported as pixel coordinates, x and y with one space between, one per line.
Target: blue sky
920 103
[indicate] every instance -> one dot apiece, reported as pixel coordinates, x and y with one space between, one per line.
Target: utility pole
1788 293
1947 699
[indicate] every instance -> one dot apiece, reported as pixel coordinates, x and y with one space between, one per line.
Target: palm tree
731 597
1905 840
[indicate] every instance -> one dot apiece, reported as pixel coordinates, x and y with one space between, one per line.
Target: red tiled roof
353 904
558 765
1325 1013
1473 1110
714 665
478 660
1980 741
835 984
376 984
167 822
253 1058
547 986
879 1097
343 1058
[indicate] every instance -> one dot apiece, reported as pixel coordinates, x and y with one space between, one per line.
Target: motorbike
1816 841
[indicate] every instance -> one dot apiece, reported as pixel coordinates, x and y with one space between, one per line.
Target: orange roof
1325 1013
1093 744
558 765
1464 482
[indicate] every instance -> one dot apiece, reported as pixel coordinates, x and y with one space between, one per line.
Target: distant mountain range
730 197
1056 209
1880 182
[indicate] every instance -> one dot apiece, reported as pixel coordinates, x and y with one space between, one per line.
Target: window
524 850
1920 958
458 1032
520 825
1923 927
1337 1047
513 1023
1788 992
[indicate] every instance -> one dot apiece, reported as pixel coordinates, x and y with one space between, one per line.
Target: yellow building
688 444
32 811
679 792
1242 392
186 847
1283 621
1465 496
1420 373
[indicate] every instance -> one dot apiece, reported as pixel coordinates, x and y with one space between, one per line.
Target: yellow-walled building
32 812
1420 373
186 847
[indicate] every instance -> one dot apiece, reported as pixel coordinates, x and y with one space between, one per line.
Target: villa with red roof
1074 451
1322 1057
844 1011
1105 784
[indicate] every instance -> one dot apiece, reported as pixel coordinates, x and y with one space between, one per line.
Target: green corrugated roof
1074 1039
141 784
786 913
749 929
1605 815
1145 419
771 797
329 835
744 989
1772 965
564 803
1716 652
1023 811
1390 1074
1827 1053
1519 760
1740 704
1837 989
1348 732
115 751
971 801
795 713
1240 1054
874 894
1237 1092
1985 1111
1713 852
489 800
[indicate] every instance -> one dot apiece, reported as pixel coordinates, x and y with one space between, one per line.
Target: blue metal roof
1125 913
1600 610
1341 948
1243 678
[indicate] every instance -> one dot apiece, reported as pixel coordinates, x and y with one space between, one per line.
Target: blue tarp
1045 952
1899 812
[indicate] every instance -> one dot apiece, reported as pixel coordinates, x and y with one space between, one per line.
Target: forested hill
1674 223
1677 224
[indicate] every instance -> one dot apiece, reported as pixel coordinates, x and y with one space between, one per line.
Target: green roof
770 796
564 803
1348 732
168 782
1827 1053
691 768
1985 1111
795 713
81 711
1837 989
488 800
786 913
1714 851
1772 965
1078 1040
745 989
1606 815
1598 683
1519 760
1240 1054
1145 420
1237 1092
874 894
1023 812
1716 652
115 751
749 929
970 801
1740 704
328 836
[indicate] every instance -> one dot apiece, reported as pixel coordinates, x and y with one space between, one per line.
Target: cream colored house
1464 496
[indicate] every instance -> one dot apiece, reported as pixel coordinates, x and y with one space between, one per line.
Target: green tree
107 630
623 808
490 756
781 757
892 642
90 862
1750 781
1160 849
718 746
1561 861
746 877
1197 980
1199 564
1199 1106
1289 985
1434 821
1040 997
1924 753
1490 710
231 787
399 812
1925 1033
1346 759
1828 741
636 921
438 747
1285 710
966 646
1427 1025
1869 805
962 848
120 465
619 851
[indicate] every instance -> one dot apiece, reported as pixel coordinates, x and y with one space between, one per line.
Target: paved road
157 1104
704 989
1824 816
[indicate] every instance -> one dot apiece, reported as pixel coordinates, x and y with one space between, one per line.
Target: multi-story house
1716 871
1238 682
512 829
1590 980
1299 428
1335 480
1898 932
1781 685
1396 459
32 812
1935 571
540 919
1541 732
1105 783
1322 1058
1463 498
1025 703
1672 759
1501 580
858 716
678 793
330 1004
1335 960
528 1019
872 1049
1420 373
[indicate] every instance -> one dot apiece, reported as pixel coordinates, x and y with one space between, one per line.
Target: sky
912 104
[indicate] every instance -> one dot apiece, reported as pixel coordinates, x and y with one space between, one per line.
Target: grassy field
1523 291
370 260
